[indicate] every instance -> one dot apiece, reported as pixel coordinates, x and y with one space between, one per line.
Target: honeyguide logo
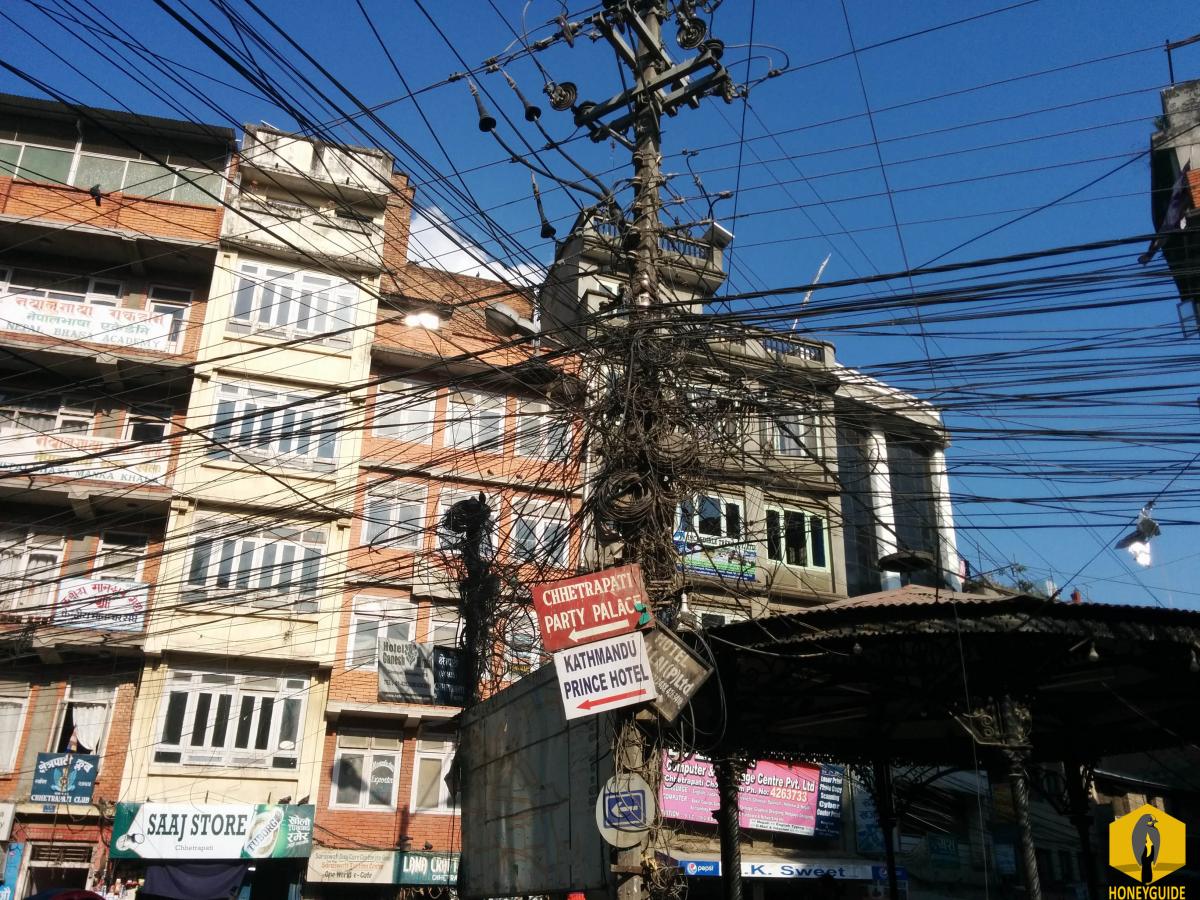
1147 845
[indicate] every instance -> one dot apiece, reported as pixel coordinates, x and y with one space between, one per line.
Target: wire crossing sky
887 136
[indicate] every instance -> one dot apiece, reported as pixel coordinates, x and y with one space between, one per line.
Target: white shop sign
606 675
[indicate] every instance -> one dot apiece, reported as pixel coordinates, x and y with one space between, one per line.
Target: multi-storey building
1175 193
241 431
108 232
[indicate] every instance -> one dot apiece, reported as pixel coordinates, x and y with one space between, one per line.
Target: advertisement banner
420 673
829 802
12 870
352 866
603 604
80 456
838 870
64 778
87 322
103 605
729 558
427 868
212 831
772 796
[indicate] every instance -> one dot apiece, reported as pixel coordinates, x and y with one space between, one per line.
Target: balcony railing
82 457
793 347
668 243
293 227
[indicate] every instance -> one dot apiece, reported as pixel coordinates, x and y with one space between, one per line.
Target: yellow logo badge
1147 844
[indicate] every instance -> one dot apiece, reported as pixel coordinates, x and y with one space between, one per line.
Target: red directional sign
591 607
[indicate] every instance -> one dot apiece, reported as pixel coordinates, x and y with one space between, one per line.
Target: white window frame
541 434
192 685
64 409
443 753
35 588
386 614
107 691
443 617
793 434
174 306
117 549
808 514
179 175
381 511
99 291
270 301
373 747
691 523
18 696
405 411
538 520
153 415
265 570
250 420
471 416
520 626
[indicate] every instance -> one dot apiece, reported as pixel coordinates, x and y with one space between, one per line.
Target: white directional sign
605 675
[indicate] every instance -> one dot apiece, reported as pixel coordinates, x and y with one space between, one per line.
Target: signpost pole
728 815
885 802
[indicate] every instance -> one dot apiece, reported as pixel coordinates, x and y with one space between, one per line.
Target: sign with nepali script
91 322
103 605
591 607
420 673
79 456
772 796
212 831
64 778
604 675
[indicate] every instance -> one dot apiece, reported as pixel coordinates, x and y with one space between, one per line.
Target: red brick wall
152 217
396 224
1194 185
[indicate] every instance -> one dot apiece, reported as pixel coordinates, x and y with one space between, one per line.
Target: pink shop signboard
772 797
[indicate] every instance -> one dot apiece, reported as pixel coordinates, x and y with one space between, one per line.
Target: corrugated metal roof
915 595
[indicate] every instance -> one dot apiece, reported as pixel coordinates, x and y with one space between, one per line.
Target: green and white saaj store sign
212 831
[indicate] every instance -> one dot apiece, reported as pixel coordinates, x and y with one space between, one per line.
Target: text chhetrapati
620 582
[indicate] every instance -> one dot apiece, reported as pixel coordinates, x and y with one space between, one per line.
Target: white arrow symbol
597 629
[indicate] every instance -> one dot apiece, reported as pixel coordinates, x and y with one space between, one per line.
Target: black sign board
677 671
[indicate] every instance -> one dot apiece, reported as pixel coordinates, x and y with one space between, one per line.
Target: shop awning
195 880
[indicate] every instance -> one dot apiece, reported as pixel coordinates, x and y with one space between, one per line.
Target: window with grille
405 412
29 569
797 538
394 516
271 567
542 434
228 719
260 423
280 302
475 421
434 754
365 771
373 619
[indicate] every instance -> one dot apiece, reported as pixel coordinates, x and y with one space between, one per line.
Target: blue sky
956 167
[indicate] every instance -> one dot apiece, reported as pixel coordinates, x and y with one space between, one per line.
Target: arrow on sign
604 701
583 633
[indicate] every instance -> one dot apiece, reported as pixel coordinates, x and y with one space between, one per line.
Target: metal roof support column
729 775
1077 777
1016 750
885 803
